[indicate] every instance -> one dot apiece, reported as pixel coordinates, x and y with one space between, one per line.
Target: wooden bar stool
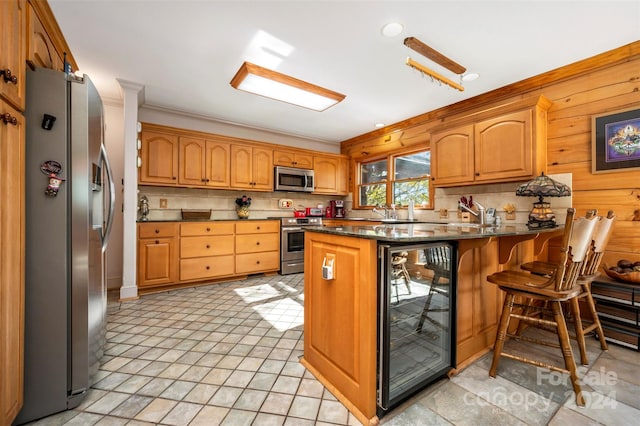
438 260
551 291
599 241
398 271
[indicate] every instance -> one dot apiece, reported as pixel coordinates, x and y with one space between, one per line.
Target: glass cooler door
416 318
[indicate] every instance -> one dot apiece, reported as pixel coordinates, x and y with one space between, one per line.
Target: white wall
184 121
114 142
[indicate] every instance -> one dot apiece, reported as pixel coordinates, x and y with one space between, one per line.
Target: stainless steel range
292 243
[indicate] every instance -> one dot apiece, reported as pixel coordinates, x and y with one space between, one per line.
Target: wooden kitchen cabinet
292 159
257 246
251 168
330 174
203 163
41 51
159 155
502 145
340 319
206 250
12 52
12 252
157 253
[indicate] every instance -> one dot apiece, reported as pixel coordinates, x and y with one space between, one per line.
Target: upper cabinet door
241 164
159 155
262 169
292 159
504 147
12 50
41 51
192 162
452 150
218 161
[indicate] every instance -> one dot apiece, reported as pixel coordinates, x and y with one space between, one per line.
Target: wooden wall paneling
622 201
569 149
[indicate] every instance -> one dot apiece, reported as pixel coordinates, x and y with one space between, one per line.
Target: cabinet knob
157 241
477 174
257 262
173 177
208 229
257 243
208 246
258 228
157 231
207 267
9 119
8 76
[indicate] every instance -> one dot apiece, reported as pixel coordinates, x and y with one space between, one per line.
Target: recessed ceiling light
379 125
392 29
470 76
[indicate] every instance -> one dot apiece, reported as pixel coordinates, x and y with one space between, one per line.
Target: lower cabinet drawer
257 262
206 246
252 243
206 267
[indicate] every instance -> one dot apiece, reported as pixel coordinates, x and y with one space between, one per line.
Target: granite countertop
425 232
201 220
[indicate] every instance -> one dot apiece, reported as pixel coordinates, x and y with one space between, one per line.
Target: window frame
390 180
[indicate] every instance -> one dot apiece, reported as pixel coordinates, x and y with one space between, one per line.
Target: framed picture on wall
615 138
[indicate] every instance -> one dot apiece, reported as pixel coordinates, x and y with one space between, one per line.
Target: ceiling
185 53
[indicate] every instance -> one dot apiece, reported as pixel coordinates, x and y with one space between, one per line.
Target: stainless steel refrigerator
69 211
417 327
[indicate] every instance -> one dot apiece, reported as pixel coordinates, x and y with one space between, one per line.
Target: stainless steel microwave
294 180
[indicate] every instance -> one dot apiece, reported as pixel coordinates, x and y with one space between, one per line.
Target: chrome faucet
385 215
480 214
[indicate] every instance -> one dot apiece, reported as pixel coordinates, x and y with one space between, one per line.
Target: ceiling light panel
272 84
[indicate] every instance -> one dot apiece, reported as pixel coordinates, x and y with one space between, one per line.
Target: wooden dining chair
560 286
599 241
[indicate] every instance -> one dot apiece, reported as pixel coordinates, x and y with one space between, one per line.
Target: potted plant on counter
242 207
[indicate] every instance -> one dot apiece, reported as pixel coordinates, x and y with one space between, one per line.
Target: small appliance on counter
314 211
335 209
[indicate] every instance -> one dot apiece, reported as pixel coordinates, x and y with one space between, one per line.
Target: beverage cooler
416 324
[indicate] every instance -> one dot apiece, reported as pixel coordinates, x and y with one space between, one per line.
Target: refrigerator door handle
112 197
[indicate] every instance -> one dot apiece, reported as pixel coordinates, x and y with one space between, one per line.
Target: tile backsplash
266 204
222 202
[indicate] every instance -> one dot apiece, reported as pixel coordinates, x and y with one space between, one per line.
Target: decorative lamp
541 215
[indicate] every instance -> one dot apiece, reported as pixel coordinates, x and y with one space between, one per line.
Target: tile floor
227 354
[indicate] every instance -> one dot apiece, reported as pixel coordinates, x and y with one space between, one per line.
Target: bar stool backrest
574 249
601 235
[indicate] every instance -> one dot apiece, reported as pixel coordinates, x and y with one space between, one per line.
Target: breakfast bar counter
342 303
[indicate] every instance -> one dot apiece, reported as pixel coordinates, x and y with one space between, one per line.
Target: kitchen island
341 324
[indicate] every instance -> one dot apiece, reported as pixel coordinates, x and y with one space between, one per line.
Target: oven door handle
291 229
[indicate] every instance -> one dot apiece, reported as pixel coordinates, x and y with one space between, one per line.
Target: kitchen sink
469 225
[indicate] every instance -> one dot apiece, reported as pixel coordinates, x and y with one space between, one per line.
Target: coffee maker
335 209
